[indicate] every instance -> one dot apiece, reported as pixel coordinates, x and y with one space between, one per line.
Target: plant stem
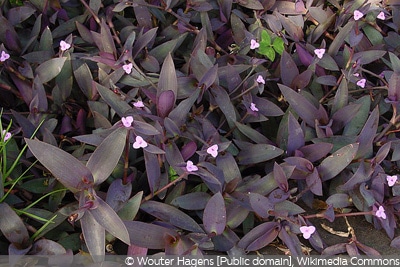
150 196
360 213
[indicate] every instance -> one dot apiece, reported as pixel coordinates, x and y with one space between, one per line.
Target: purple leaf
12 227
224 103
363 174
395 243
288 69
172 215
288 207
65 167
291 241
301 163
314 183
153 171
315 152
306 110
188 150
50 69
367 250
143 40
112 146
278 195
165 103
256 153
335 249
280 177
339 200
192 201
260 205
338 161
144 128
147 235
343 116
94 235
118 194
266 107
236 213
47 247
180 113
367 135
295 135
114 100
109 220
260 236
209 77
167 80
214 215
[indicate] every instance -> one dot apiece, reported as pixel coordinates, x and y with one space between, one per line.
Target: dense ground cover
195 127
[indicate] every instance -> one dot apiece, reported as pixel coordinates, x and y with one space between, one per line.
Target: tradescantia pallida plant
95 215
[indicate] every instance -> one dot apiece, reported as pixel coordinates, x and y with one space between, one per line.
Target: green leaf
50 69
265 39
267 51
278 45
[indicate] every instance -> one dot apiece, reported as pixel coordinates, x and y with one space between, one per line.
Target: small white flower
307 231
213 150
6 135
357 14
381 16
127 68
254 44
4 56
64 45
190 167
253 107
260 79
380 213
139 143
127 121
319 52
391 180
361 83
138 104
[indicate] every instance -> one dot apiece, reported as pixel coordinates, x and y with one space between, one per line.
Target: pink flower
6 135
64 45
380 213
4 56
381 16
254 44
138 104
190 167
391 180
127 121
139 142
307 231
253 107
361 83
127 68
319 52
357 14
213 150
260 79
